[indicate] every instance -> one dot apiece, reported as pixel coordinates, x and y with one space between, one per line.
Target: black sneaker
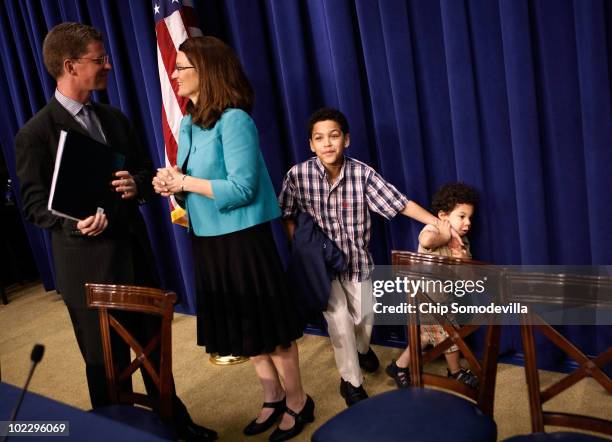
351 394
369 361
401 375
465 376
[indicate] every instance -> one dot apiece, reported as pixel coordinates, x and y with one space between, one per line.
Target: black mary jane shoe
302 418
259 427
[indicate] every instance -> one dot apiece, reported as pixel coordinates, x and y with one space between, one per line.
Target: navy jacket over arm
315 262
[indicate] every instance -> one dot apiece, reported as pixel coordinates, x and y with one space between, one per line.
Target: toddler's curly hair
449 195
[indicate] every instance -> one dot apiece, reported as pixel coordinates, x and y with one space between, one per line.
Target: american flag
175 21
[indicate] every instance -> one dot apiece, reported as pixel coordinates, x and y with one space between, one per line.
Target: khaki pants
349 321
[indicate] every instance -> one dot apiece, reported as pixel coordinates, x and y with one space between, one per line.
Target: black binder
83 171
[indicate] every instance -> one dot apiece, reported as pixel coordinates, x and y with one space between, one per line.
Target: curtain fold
525 139
594 85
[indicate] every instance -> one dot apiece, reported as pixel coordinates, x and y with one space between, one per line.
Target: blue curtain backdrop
511 96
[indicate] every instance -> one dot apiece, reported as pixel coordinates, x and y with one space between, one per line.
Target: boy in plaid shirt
338 192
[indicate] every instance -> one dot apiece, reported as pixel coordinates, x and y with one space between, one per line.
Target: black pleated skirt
244 307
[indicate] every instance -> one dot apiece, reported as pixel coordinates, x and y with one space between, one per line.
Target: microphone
37 353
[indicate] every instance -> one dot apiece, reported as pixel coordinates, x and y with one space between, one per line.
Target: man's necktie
92 128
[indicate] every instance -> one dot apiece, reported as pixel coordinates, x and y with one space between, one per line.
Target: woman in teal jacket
243 304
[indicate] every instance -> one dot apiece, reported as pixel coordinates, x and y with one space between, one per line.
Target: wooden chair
485 369
423 414
560 291
153 357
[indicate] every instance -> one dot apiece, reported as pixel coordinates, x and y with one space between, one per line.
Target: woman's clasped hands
168 181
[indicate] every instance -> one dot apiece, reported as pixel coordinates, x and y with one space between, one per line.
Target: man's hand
125 184
93 225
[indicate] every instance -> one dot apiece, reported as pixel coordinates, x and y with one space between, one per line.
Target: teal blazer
228 155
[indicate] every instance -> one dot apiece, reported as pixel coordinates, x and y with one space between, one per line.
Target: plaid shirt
341 208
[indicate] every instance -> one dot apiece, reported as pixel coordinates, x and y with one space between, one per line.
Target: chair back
559 290
153 356
417 265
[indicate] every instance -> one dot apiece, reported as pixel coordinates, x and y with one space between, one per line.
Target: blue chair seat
413 414
563 436
137 417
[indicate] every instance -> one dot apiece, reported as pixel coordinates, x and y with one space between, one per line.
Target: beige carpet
227 398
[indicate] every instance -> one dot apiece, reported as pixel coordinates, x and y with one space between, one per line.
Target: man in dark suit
110 247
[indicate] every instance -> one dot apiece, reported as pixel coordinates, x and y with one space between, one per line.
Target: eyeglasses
100 60
182 68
